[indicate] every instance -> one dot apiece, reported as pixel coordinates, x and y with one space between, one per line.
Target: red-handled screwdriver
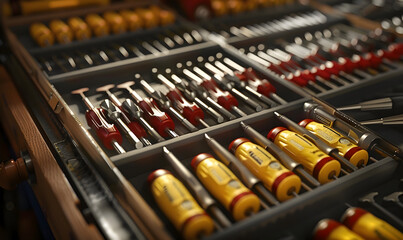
107 133
263 86
135 127
190 111
224 98
161 121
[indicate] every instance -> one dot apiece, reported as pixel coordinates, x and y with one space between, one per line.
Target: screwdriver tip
207 137
243 125
277 114
165 150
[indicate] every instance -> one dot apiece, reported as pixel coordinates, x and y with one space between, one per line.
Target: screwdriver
226 85
327 114
283 183
42 35
161 121
61 31
190 111
263 86
135 127
354 154
224 98
321 144
225 186
286 160
132 19
320 165
391 120
97 24
165 104
240 170
107 133
179 205
114 114
369 226
135 112
395 104
79 28
207 202
191 95
239 83
328 229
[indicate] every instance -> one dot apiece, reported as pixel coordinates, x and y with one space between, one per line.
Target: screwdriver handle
190 111
158 119
262 86
224 98
108 133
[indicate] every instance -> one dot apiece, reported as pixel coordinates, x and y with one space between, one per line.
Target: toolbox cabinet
110 189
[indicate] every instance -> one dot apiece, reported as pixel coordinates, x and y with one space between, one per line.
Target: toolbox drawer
127 173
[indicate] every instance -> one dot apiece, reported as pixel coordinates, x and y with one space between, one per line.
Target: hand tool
239 83
161 121
295 78
321 144
150 20
133 20
394 198
70 60
179 206
354 154
283 63
175 37
121 49
328 229
391 120
47 64
263 86
86 57
135 112
134 126
320 165
165 104
283 183
166 17
98 25
365 139
286 160
114 114
79 28
369 226
224 98
42 35
207 202
225 186
106 132
331 65
395 104
148 47
116 23
193 10
227 85
191 95
240 170
321 72
61 31
332 50
134 50
190 111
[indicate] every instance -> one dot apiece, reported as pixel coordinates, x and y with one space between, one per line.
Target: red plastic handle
105 131
137 129
262 86
224 98
190 111
157 118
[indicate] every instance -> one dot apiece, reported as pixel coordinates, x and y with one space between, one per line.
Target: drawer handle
12 173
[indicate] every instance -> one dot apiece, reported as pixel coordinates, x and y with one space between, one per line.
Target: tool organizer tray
382 174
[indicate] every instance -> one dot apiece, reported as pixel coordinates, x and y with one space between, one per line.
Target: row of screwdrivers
330 58
186 100
168 39
224 7
95 25
312 152
357 224
394 24
112 52
271 169
293 21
